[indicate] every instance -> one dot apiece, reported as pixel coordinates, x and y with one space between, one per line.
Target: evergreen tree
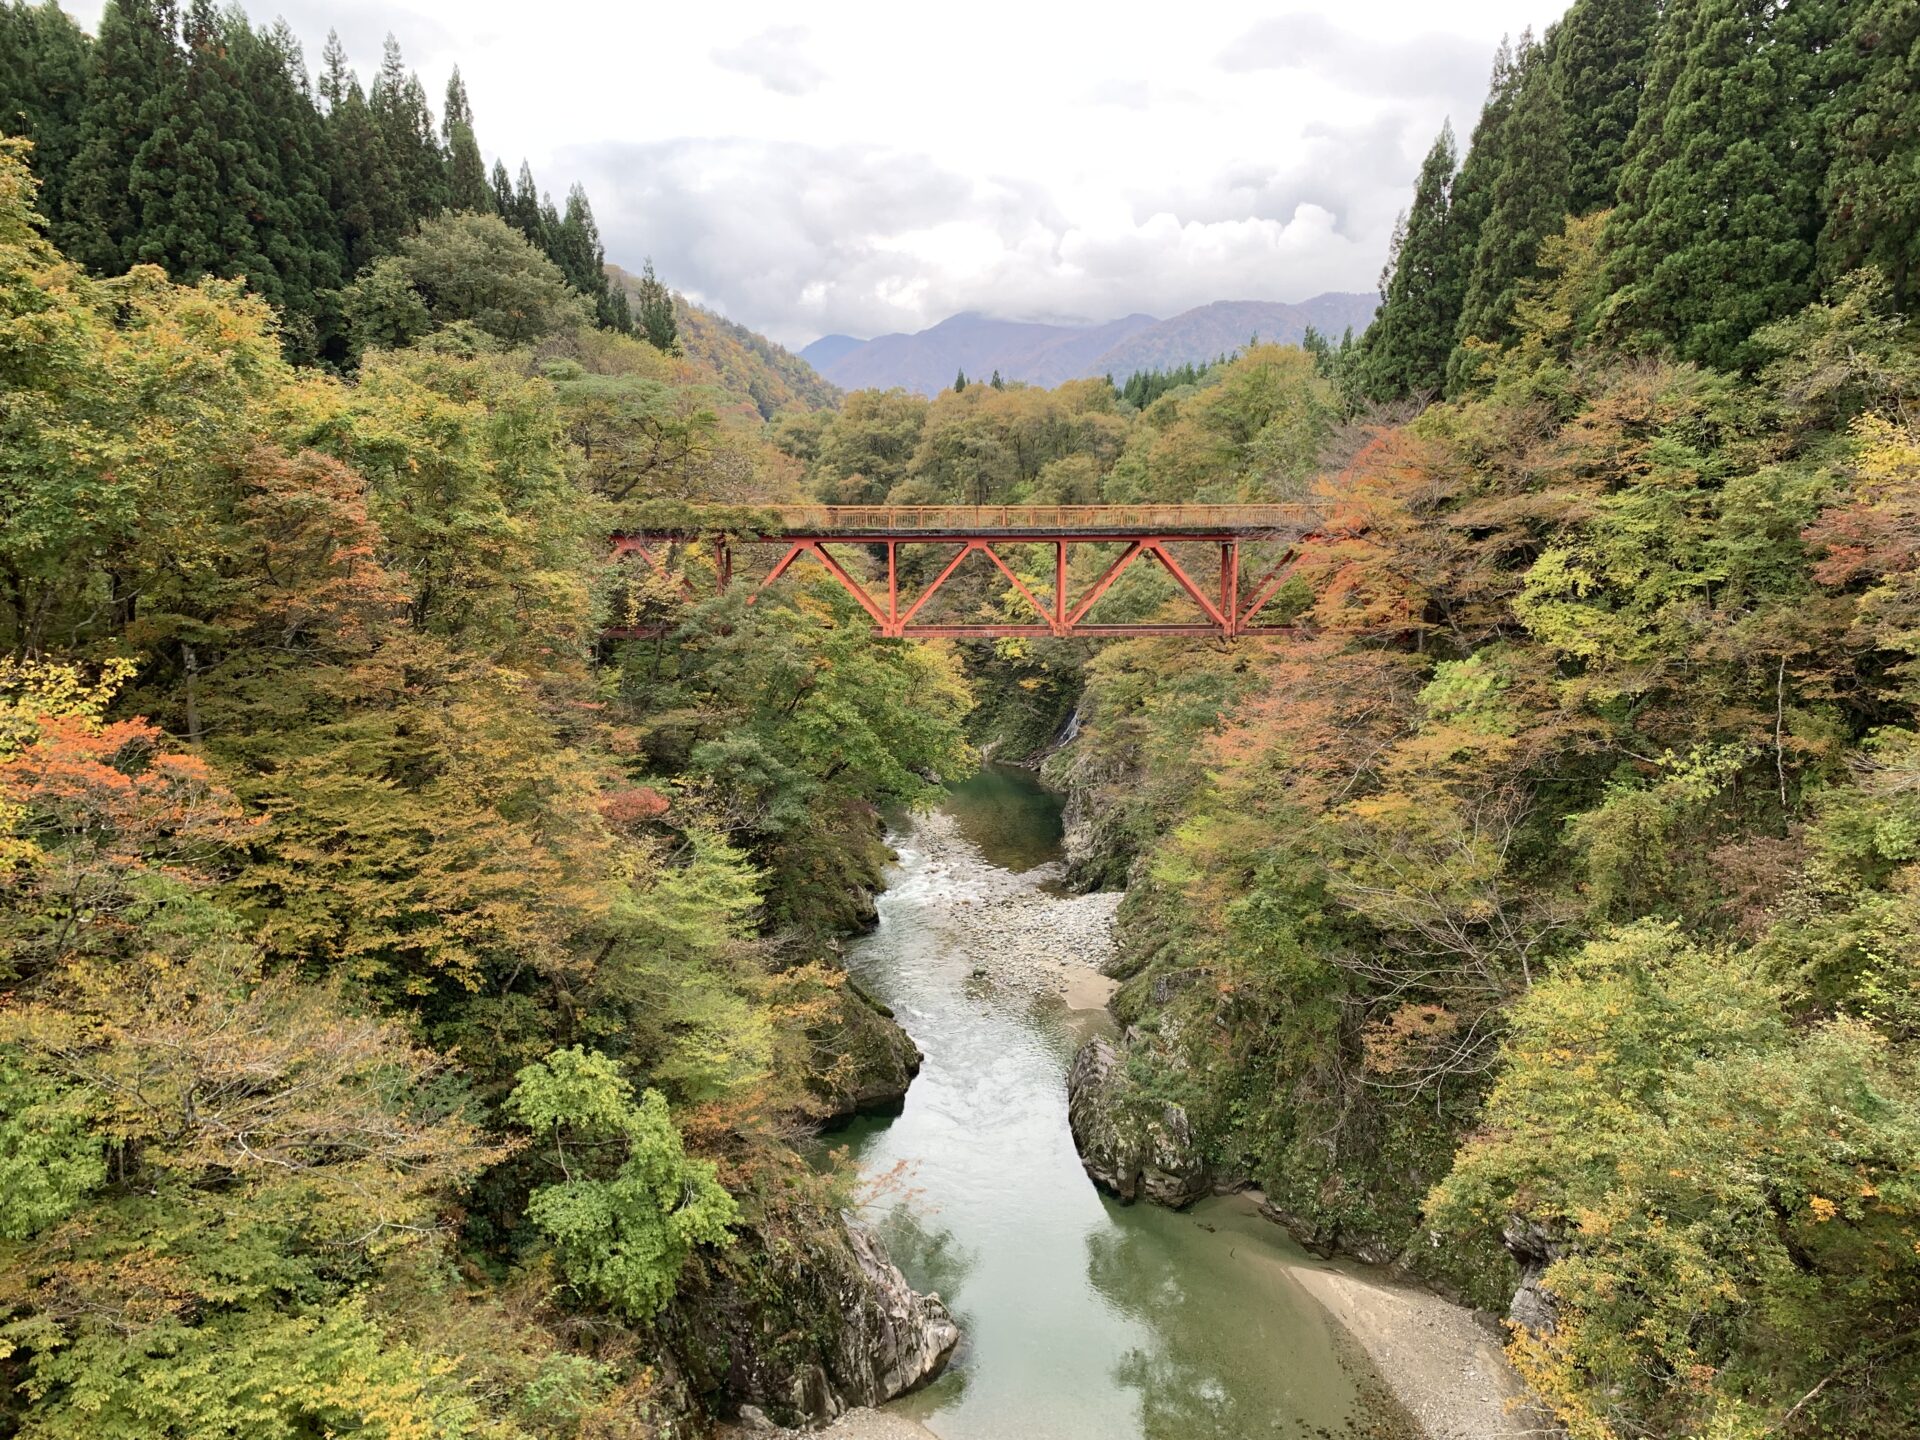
43 85
335 76
1600 59
502 187
1472 195
581 259
655 318
408 137
959 379
132 63
368 203
996 382
1527 202
1872 186
1713 235
467 187
195 164
1405 350
524 213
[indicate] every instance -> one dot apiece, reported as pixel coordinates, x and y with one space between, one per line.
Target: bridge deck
875 523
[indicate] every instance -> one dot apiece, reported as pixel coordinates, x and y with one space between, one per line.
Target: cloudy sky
863 168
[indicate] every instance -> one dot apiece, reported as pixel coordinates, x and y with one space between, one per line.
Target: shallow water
1084 1319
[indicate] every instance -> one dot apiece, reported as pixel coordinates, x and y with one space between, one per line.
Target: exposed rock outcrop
803 1318
1129 1144
872 1060
1533 1248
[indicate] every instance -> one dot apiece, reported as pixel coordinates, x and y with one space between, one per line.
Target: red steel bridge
1228 600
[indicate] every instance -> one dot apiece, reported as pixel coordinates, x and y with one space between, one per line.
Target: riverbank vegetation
411 992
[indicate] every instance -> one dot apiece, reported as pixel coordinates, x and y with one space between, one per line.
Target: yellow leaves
1823 1208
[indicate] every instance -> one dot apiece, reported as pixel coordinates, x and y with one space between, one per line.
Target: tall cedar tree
1406 348
654 315
1486 157
132 62
1600 59
407 132
467 187
1527 203
1872 193
43 85
1718 207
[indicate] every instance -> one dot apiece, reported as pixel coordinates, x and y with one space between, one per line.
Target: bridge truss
1228 602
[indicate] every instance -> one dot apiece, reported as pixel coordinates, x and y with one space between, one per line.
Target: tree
1527 203
1405 351
655 311
960 381
1471 198
467 187
1714 232
132 63
1600 53
43 85
621 1236
409 145
462 267
1871 191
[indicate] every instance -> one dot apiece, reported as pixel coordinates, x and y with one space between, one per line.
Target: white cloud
777 58
885 166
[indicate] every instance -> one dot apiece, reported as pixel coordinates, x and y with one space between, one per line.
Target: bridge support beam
1227 607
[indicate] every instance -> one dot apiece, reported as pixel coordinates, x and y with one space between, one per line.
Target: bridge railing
1045 519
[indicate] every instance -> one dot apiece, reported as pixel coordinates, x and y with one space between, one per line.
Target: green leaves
49 1157
623 1236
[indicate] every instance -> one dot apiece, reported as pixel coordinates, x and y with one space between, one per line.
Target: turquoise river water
1083 1319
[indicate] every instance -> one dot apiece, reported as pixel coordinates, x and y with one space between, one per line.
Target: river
1083 1319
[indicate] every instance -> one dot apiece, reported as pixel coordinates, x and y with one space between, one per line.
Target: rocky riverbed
1024 935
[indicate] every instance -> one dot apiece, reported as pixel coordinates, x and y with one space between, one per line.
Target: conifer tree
996 382
1713 235
195 164
409 141
655 318
335 76
959 379
1405 351
1527 203
1872 186
132 62
1600 59
467 187
1472 194
502 191
524 215
43 84
367 200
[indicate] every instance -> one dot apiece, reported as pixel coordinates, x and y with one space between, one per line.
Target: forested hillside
183 137
379 952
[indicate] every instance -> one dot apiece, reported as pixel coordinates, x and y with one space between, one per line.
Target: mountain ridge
1040 353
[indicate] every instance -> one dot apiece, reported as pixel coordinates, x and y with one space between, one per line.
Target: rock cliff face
873 1060
1131 1145
803 1318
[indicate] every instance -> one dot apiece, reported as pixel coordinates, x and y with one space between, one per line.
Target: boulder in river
1130 1144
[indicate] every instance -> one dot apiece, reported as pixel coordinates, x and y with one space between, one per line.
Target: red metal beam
1224 615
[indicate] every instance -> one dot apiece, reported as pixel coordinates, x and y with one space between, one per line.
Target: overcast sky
863 168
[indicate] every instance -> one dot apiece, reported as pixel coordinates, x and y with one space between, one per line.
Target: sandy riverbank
854 1425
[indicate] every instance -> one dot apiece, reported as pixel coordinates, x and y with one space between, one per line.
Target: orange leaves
114 789
634 806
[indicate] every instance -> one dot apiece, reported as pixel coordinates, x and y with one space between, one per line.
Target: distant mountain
829 348
1019 350
1048 354
1227 325
742 361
